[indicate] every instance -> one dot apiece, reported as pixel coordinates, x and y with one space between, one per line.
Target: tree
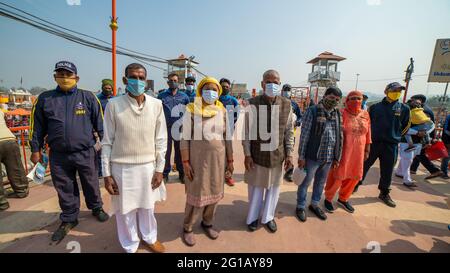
3 89
37 90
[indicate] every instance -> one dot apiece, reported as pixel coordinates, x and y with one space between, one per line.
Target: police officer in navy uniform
390 120
68 116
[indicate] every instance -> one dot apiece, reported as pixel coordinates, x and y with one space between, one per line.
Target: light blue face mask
190 88
210 96
272 89
136 87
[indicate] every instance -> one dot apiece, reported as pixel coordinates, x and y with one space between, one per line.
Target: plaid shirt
327 141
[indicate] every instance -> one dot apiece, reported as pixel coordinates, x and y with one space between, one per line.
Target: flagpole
114 28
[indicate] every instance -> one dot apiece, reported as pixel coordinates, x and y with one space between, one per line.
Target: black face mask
225 91
107 93
172 85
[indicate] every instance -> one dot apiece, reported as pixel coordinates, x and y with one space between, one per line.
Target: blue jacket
191 95
228 100
68 118
169 101
103 100
389 121
298 113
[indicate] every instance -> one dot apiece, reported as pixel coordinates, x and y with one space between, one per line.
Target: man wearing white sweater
133 157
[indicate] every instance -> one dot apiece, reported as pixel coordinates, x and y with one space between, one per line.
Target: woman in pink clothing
357 139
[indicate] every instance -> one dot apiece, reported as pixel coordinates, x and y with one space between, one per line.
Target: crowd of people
128 140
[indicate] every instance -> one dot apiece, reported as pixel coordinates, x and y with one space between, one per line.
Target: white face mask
210 96
272 89
190 88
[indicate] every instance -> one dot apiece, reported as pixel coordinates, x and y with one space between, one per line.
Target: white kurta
135 188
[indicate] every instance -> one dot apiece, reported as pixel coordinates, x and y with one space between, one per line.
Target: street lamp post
357 79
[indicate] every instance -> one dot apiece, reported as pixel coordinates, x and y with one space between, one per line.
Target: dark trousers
99 163
10 157
64 167
178 162
422 158
387 154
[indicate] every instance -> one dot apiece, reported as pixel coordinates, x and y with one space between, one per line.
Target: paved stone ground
418 223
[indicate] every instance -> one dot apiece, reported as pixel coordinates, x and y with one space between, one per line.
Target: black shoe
4 206
412 185
318 212
181 177
387 200
328 206
445 176
272 226
288 175
166 179
346 206
357 187
63 229
301 214
100 214
253 226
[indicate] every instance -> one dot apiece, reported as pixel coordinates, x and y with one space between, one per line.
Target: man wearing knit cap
103 97
106 93
133 157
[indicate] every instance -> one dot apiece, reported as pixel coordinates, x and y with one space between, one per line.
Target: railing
324 75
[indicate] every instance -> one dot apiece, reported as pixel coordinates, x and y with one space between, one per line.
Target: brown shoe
434 175
157 247
210 232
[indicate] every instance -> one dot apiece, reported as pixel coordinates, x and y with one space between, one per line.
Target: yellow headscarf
198 107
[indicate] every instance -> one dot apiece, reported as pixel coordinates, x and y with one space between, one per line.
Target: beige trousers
192 213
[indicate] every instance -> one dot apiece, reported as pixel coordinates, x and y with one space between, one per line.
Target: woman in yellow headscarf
204 148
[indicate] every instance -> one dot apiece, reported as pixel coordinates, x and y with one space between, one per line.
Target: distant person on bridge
10 157
69 116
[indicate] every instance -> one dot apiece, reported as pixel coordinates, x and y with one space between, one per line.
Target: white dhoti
406 159
262 203
135 203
